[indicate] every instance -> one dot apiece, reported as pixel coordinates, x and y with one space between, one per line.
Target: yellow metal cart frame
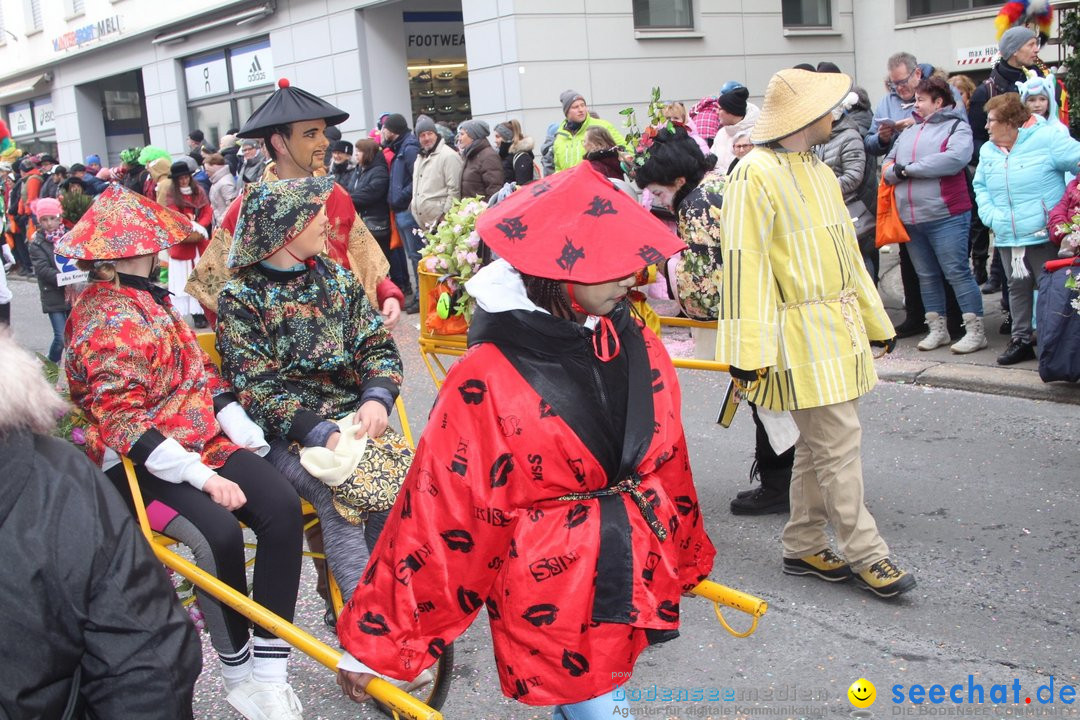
401 704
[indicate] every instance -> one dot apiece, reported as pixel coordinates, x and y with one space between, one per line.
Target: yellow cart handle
743 602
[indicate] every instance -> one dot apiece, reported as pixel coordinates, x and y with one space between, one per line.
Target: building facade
97 76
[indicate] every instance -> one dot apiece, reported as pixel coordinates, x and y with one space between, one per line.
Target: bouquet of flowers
635 137
453 253
1070 237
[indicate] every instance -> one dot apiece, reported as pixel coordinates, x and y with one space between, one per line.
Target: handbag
1059 323
890 228
363 474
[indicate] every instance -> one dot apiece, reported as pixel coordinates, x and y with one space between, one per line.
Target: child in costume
138 374
552 483
42 255
304 347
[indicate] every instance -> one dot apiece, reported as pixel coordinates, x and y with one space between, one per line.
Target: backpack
14 204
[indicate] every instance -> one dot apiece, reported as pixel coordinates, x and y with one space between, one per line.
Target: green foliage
452 248
655 113
71 426
1070 38
75 204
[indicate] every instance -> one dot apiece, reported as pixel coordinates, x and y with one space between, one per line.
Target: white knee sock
271 660
236 668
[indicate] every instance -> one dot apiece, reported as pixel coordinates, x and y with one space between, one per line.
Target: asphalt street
975 494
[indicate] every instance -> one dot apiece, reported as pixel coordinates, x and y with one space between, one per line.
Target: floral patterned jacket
137 372
303 346
698 269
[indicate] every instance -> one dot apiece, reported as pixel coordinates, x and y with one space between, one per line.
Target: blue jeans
939 252
603 707
58 320
413 241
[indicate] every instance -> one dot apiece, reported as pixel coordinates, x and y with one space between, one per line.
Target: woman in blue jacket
1021 177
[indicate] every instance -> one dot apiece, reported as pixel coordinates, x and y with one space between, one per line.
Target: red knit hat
576 226
123 224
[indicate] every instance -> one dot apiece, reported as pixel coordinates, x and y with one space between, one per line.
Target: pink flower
431 264
78 436
472 258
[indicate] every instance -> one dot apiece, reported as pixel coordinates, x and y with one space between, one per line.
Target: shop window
663 14
806 13
225 86
33 125
438 73
922 8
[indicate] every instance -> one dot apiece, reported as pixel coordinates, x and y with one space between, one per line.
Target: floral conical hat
122 224
273 213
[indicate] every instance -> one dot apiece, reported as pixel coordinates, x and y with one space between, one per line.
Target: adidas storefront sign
252 65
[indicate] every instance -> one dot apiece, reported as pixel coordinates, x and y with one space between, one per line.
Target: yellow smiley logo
862 693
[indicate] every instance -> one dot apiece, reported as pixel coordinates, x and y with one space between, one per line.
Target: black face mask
341 167
504 148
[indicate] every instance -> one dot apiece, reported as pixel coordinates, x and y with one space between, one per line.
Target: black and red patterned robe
493 514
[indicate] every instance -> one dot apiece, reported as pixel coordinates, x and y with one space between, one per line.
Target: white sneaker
939 332
425 678
265 701
974 335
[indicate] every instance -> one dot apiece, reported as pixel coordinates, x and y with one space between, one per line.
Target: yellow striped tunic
797 299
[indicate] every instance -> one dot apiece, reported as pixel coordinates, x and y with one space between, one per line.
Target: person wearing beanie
403 147
516 152
54 300
782 202
253 162
568 147
436 176
737 115
93 164
341 160
32 183
230 150
482 172
149 392
291 124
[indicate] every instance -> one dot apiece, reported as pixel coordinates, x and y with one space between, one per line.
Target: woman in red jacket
552 484
190 200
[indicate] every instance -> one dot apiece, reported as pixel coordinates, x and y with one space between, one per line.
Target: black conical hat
289 104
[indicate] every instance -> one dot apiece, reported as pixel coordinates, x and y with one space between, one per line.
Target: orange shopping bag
890 228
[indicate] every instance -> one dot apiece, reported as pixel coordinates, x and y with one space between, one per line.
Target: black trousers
775 469
272 511
913 304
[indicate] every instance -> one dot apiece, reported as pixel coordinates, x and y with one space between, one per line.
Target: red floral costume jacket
496 513
134 367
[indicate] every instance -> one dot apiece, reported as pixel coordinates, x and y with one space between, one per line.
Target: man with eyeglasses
892 116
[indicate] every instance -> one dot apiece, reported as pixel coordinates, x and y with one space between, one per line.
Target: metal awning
24 87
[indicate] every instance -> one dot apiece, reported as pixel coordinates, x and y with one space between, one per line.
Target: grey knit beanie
567 99
1013 40
503 131
424 124
476 129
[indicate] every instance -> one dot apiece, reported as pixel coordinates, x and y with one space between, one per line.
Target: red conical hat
123 224
576 226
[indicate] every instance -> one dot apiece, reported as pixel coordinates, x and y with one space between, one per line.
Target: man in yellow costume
798 316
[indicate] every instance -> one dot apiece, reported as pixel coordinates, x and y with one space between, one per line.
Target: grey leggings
347 546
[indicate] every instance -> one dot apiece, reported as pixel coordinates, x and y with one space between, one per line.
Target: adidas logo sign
256 72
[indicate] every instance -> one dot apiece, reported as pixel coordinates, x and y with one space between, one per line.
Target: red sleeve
1060 213
387 289
432 570
33 189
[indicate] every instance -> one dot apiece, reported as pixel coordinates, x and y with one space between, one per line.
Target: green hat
273 213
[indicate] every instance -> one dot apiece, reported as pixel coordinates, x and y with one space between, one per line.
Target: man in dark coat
397 137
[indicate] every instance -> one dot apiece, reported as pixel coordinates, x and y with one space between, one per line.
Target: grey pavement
977 371
975 493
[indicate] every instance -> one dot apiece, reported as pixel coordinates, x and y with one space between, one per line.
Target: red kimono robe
495 513
134 367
